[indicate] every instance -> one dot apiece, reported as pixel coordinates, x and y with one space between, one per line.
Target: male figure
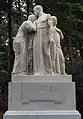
20 46
41 45
59 57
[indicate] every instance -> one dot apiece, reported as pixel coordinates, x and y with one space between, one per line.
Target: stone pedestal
42 97
42 115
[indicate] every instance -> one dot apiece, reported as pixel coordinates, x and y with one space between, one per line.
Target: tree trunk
19 10
10 48
28 7
70 52
81 49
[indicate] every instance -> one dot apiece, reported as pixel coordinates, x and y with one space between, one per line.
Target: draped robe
21 44
41 47
59 59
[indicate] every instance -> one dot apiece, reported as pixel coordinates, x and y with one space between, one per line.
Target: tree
3 37
10 43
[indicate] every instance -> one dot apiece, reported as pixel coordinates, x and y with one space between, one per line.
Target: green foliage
3 43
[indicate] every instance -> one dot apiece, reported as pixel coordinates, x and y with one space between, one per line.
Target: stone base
36 79
42 115
42 93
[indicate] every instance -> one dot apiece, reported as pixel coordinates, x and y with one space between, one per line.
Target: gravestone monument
48 92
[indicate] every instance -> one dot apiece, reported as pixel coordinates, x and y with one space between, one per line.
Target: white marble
22 45
62 114
41 93
41 45
45 79
58 59
38 52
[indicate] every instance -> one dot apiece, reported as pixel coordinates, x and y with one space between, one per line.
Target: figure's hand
51 41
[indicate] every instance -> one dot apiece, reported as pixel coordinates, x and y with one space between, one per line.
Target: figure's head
37 10
54 19
31 18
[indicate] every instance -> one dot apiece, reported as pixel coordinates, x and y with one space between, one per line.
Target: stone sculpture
46 95
37 46
59 59
41 45
20 46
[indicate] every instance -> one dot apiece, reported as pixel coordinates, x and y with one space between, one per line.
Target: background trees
70 21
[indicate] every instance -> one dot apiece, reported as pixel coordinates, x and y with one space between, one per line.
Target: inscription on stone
47 87
42 101
42 93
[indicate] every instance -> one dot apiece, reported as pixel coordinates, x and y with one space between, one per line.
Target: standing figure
59 57
20 46
29 44
41 46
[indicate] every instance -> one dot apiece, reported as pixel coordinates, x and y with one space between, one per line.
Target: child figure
59 57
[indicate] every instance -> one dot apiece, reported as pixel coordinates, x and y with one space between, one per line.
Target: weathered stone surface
42 93
45 79
42 114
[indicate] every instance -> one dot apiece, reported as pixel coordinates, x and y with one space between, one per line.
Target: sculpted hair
38 7
54 17
30 17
